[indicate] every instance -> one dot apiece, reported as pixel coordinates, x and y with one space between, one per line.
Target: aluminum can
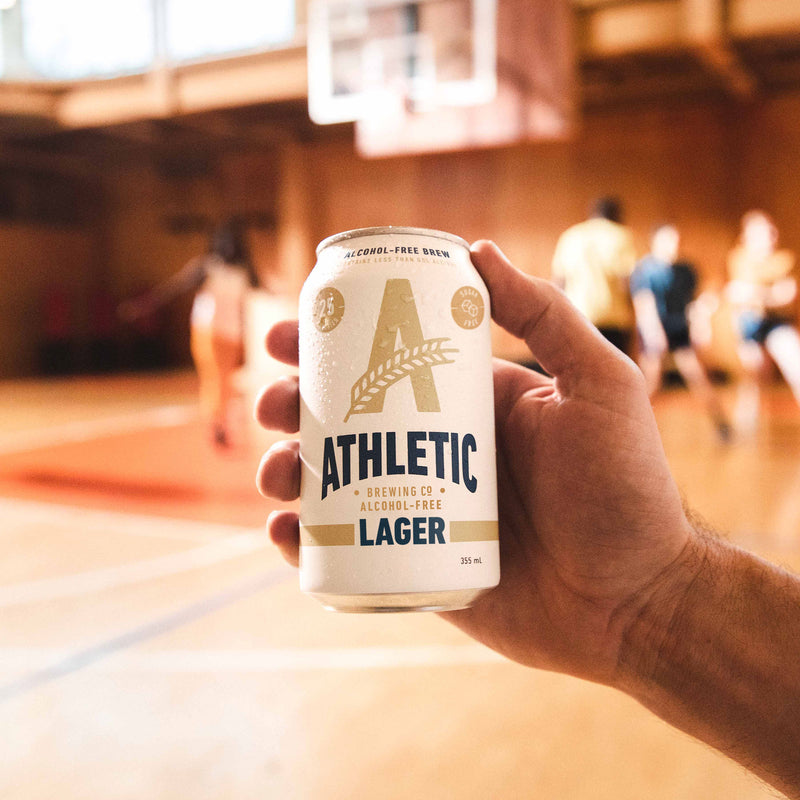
398 499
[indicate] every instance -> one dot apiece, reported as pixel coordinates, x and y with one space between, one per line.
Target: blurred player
762 291
663 290
592 263
221 279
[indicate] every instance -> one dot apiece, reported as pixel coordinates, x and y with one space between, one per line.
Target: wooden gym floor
152 644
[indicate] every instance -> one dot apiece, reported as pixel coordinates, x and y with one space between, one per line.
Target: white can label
397 422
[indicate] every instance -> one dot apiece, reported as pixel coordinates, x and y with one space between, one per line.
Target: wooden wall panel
33 259
700 166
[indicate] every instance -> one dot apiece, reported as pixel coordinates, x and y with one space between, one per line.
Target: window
198 28
83 38
63 40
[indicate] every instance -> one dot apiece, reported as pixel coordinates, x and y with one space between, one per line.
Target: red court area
170 471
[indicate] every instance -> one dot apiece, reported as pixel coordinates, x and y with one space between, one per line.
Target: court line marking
82 583
15 442
269 660
49 664
78 660
36 512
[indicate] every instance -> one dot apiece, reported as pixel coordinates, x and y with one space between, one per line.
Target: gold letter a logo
389 363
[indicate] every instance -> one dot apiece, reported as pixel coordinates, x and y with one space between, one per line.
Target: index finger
282 342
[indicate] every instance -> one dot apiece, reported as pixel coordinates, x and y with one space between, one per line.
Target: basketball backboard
375 57
436 75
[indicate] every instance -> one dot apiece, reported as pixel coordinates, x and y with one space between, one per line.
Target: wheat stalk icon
374 382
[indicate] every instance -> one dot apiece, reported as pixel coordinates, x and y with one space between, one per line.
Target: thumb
561 339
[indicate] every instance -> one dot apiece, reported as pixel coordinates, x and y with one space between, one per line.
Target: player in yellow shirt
592 263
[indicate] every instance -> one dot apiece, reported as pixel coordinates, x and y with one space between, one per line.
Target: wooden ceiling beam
611 30
677 26
705 31
268 77
758 18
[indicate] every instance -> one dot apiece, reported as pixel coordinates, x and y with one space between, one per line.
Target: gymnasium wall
698 164
36 259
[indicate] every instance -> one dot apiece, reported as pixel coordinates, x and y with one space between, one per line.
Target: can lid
389 229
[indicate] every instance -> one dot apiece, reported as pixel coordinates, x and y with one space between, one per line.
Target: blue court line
169 622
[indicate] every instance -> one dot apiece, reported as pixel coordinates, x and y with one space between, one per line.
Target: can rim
389 229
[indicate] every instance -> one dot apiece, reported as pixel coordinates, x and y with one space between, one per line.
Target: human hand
592 527
649 324
700 314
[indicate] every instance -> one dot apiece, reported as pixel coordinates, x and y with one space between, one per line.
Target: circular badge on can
328 309
467 307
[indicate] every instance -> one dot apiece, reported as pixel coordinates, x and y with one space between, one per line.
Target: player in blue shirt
663 289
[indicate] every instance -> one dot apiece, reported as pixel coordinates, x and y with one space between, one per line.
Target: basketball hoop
427 76
369 58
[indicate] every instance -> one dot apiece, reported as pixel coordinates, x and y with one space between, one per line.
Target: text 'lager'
398 504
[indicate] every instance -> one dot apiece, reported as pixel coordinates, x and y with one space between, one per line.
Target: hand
649 324
592 528
700 313
654 339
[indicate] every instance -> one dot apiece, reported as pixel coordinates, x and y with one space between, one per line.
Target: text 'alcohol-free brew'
398 503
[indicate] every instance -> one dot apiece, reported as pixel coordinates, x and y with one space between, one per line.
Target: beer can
398 498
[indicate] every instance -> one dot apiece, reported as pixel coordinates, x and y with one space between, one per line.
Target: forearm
716 652
648 320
